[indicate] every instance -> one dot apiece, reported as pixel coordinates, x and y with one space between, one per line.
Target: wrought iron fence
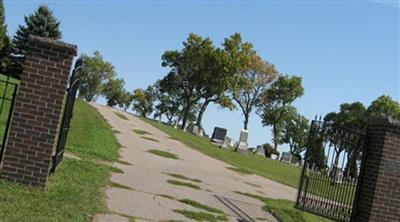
8 91
331 170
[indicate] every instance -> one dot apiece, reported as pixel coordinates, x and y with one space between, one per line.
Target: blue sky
345 51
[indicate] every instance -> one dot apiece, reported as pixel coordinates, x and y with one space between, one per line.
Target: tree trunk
246 120
201 113
185 115
275 129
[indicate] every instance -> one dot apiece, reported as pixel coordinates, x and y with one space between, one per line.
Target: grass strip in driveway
201 206
201 216
120 115
185 184
141 132
164 154
179 176
271 169
148 138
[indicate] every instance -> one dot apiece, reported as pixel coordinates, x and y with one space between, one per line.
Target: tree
276 103
315 153
96 71
384 106
114 92
126 100
212 91
41 23
188 68
143 101
252 75
352 116
295 132
5 44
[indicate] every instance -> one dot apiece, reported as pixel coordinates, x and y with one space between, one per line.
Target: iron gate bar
67 115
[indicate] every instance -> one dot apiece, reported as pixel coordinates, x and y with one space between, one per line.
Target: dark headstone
219 135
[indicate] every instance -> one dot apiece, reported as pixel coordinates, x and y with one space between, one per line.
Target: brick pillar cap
385 121
55 43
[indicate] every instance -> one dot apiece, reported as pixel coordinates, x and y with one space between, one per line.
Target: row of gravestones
219 137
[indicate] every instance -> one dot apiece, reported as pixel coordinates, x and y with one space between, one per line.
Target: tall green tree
276 103
216 82
143 101
188 67
41 23
114 92
95 73
384 106
253 75
295 132
169 101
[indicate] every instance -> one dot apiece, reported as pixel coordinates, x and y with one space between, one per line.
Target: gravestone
226 142
241 146
260 150
232 142
286 157
218 135
195 130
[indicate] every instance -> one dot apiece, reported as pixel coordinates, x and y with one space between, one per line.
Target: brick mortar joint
58 44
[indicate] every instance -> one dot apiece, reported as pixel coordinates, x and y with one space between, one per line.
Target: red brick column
37 111
379 195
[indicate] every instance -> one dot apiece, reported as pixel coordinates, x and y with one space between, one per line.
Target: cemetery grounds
75 192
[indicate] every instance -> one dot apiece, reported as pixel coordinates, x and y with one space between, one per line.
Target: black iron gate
8 92
67 115
331 170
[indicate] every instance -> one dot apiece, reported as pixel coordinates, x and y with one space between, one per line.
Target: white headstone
241 146
286 157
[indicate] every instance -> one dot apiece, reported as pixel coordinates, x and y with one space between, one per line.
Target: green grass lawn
75 191
74 194
244 163
90 135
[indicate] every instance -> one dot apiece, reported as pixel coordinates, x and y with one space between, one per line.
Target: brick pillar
379 197
37 111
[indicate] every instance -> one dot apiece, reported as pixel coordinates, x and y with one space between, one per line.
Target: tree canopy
114 92
143 101
384 106
96 71
41 23
294 132
189 66
276 103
